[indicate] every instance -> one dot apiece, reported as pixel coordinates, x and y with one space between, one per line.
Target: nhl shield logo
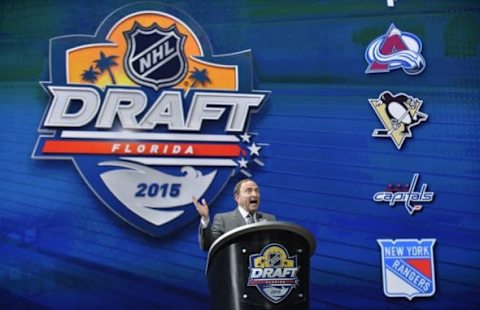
155 56
273 272
408 267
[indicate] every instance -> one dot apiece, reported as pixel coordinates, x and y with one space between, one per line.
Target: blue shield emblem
408 267
155 57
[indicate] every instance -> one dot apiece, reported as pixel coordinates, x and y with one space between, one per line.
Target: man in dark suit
247 196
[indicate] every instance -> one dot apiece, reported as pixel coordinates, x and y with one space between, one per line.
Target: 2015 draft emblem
398 114
273 272
395 50
149 115
408 267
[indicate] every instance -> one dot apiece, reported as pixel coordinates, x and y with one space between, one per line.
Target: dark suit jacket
223 222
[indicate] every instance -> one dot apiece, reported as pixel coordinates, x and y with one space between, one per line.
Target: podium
264 265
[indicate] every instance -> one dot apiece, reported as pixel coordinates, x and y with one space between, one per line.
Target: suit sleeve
209 234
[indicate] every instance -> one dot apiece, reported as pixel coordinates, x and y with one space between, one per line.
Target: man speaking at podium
247 196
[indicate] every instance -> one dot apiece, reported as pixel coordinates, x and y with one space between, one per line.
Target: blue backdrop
60 247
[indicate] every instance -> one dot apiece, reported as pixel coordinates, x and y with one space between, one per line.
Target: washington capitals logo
273 272
406 194
395 50
398 114
408 267
149 116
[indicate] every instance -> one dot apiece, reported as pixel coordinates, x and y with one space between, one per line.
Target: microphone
260 218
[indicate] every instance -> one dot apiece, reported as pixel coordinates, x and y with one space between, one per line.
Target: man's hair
236 190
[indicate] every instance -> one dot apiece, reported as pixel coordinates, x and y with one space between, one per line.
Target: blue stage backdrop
320 164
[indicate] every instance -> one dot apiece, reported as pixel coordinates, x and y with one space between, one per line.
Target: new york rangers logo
408 267
155 56
273 272
395 50
149 115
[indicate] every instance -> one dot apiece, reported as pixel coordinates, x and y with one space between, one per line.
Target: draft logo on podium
395 50
149 115
274 272
408 267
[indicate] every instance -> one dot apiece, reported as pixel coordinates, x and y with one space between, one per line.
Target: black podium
261 266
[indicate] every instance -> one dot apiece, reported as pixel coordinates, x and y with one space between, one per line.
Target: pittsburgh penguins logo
398 114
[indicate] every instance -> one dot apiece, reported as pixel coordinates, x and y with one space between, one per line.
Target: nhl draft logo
149 115
398 114
406 194
408 267
273 272
394 50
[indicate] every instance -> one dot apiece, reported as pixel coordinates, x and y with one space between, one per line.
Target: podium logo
408 267
273 272
398 114
149 115
395 50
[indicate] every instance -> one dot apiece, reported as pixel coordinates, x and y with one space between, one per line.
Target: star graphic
242 163
245 137
254 149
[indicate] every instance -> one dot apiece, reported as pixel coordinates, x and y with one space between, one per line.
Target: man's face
248 197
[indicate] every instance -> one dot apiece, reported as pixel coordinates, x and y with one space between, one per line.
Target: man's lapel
239 220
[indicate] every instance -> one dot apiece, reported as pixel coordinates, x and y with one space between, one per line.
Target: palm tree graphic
199 76
105 63
90 75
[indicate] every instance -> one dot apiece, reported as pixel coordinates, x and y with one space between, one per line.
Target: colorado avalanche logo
395 50
149 116
273 272
155 56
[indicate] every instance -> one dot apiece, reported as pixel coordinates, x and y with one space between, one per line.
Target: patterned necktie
250 219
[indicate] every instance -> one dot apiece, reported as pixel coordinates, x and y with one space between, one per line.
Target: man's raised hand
202 207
